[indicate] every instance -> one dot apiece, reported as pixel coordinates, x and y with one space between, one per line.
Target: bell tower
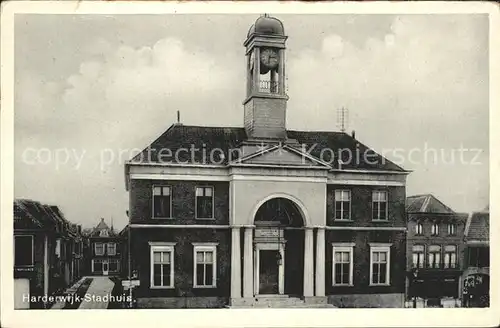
265 103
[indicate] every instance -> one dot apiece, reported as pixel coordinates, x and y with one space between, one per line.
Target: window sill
205 287
343 285
342 220
162 218
380 220
379 285
205 219
161 287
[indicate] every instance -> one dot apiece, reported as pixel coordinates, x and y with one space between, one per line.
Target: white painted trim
478 242
196 202
181 226
341 247
205 247
277 166
166 247
381 247
95 249
296 201
107 248
280 247
178 177
105 272
46 265
92 266
130 163
366 183
161 243
153 200
406 172
366 228
240 177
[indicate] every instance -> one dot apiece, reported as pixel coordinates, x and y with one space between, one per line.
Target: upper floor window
99 249
23 250
162 202
342 265
204 202
380 265
419 229
452 229
418 256
111 248
342 205
434 256
205 265
479 257
103 233
435 229
162 266
379 205
450 256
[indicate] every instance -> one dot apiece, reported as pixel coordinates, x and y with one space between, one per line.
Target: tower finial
266 15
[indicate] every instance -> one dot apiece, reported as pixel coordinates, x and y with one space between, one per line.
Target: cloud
424 80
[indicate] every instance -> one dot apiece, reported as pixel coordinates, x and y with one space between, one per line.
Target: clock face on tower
269 58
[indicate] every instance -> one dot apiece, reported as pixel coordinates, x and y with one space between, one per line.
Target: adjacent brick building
104 251
435 248
47 253
475 288
262 215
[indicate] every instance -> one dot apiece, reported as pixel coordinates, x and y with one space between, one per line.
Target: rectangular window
162 266
419 229
205 264
450 257
452 229
342 205
162 202
204 202
111 249
479 257
379 205
99 249
435 229
418 256
434 256
380 265
23 250
114 265
96 265
342 265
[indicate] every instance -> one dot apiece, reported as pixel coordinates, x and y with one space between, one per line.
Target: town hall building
265 216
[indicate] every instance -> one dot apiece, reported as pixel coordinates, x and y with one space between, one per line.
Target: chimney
353 134
178 117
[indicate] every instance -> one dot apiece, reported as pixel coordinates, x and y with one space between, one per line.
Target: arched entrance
278 248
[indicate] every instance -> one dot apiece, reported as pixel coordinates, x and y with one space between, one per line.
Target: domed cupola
265 104
267 25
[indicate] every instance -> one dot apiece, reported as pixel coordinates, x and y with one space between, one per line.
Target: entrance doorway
105 267
269 269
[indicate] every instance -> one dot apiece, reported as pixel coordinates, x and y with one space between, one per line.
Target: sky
91 90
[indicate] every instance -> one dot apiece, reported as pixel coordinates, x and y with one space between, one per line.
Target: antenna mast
342 118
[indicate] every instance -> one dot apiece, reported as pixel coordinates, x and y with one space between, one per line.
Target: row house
104 250
435 247
262 215
47 253
475 289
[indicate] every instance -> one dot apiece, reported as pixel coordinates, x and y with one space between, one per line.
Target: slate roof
102 226
478 227
426 204
226 138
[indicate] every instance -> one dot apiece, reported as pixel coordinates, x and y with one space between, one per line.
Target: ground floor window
96 265
380 264
23 250
342 265
162 265
114 265
205 265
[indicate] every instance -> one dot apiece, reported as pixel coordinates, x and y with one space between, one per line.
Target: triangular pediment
281 155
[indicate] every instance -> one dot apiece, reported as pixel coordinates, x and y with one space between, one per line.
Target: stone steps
281 301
